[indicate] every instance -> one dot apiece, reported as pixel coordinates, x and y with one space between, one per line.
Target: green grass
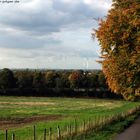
68 108
108 132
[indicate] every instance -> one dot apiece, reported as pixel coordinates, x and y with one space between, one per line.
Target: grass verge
109 131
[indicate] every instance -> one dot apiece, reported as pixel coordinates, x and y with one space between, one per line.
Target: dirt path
131 133
14 123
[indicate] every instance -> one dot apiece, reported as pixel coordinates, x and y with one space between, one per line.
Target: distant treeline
53 83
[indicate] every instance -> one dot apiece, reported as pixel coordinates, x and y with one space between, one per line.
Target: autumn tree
38 80
92 79
24 79
75 79
50 78
101 80
62 81
7 79
119 38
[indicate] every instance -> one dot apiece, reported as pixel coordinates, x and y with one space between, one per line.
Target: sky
50 34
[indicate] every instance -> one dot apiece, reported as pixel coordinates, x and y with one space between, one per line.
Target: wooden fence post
70 129
96 122
45 134
59 132
84 125
75 125
50 133
6 135
34 133
13 136
89 124
67 129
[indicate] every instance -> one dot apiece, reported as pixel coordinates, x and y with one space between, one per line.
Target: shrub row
59 92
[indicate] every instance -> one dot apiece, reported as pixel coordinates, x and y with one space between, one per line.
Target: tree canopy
7 79
119 38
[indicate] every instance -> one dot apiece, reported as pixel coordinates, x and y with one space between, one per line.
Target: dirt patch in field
28 103
18 122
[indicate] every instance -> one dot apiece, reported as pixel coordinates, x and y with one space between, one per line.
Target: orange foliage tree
119 38
75 79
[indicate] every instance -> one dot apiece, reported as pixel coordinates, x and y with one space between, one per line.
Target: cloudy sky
50 33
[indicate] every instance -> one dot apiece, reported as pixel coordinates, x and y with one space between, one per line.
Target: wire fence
74 129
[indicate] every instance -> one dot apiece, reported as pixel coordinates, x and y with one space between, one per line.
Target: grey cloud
48 32
87 53
50 18
26 41
78 10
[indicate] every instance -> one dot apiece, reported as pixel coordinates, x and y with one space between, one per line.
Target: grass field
109 132
19 114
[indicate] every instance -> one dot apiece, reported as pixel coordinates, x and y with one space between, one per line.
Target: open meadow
19 114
